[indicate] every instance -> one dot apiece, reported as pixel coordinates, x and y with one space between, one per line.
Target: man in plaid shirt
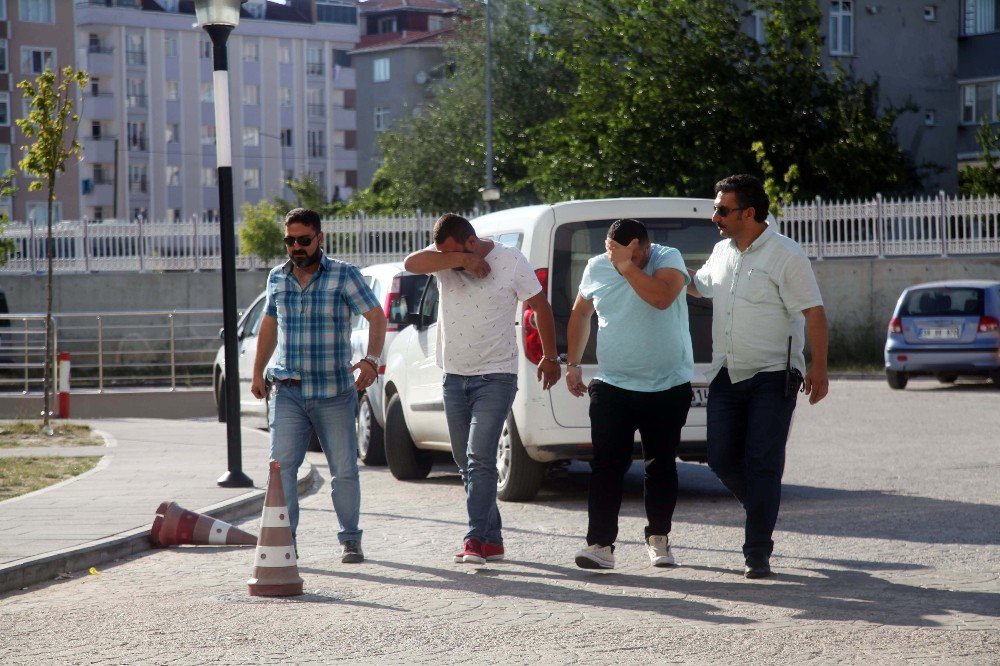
310 301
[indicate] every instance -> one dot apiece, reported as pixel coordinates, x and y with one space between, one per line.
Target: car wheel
518 476
995 376
220 400
371 444
947 379
405 460
896 379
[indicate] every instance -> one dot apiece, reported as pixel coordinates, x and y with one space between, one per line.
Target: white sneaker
595 557
658 549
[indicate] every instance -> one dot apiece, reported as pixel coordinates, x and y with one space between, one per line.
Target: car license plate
950 333
700 397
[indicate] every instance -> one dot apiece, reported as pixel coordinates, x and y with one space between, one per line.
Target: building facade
978 75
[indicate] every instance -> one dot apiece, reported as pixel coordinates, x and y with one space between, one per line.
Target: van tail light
895 325
532 338
988 324
394 293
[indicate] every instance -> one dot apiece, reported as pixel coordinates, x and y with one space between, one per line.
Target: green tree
983 180
308 194
261 232
50 125
7 245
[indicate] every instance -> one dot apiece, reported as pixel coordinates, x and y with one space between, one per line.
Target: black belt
289 382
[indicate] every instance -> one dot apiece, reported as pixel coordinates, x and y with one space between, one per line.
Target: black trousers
615 415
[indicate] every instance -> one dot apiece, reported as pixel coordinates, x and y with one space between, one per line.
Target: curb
49 566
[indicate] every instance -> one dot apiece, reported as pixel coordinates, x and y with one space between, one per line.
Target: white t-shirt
476 334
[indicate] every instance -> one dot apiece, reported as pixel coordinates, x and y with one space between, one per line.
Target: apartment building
35 35
978 74
397 60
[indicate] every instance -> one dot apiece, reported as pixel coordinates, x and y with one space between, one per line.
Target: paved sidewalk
106 513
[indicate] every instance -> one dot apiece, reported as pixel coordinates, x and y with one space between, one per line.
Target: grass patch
14 434
19 476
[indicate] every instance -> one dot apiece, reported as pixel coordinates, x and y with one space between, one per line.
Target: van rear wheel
406 461
518 476
897 380
371 437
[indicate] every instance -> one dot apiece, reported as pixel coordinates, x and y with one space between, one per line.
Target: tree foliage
261 232
308 194
983 180
600 98
50 126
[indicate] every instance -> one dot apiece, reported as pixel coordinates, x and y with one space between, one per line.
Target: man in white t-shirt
480 283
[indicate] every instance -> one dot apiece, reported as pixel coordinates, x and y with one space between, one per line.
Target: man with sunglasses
765 303
310 301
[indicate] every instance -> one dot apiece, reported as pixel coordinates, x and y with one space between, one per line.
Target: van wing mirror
416 319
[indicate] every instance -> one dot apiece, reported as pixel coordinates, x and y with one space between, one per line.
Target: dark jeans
747 428
615 415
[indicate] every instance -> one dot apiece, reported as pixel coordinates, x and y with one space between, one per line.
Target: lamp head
217 12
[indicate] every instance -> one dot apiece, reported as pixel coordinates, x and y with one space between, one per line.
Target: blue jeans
293 420
476 407
748 426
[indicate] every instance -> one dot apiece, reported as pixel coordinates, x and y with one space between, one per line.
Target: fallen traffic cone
275 571
175 525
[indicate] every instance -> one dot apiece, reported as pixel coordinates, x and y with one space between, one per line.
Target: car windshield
942 301
577 242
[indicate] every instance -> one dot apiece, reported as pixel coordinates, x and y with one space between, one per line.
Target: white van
543 426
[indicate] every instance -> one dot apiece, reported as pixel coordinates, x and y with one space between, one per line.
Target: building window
37 11
251 136
136 136
135 93
135 49
314 103
37 211
171 90
3 55
208 92
173 175
207 135
251 179
341 57
284 53
209 177
98 215
381 118
95 129
316 143
286 137
981 16
137 177
981 101
173 133
841 27
170 45
174 215
205 49
139 213
386 25
314 60
285 95
36 60
251 94
251 50
336 11
4 110
435 23
381 70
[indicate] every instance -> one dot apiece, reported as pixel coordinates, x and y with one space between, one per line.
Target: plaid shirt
314 325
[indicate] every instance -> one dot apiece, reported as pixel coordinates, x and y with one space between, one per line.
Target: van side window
512 239
429 303
251 324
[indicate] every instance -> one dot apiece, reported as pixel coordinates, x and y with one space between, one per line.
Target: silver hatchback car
945 329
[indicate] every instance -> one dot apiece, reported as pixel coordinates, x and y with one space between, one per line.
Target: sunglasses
303 241
723 211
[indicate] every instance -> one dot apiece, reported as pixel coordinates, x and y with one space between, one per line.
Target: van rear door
574 244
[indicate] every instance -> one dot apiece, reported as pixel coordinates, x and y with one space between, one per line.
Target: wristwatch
374 360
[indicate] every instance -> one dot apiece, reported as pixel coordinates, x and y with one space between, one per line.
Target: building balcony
345 119
316 110
99 151
99 107
99 194
100 63
344 78
136 101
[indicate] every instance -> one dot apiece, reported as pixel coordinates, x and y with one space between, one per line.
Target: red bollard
64 385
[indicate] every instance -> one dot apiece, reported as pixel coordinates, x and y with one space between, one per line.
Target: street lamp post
489 192
218 18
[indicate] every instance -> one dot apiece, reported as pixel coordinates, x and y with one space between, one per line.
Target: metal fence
151 348
879 227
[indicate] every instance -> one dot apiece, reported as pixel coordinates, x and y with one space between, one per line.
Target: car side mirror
415 319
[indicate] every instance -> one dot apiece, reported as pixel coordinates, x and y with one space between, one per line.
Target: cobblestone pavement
887 552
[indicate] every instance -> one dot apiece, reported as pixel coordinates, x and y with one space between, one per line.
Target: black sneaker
757 567
351 553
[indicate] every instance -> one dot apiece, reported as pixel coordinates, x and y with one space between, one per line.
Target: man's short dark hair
451 225
310 218
749 193
626 230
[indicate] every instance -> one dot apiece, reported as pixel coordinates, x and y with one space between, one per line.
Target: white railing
879 227
930 226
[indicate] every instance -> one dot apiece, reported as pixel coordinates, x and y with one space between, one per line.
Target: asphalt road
887 552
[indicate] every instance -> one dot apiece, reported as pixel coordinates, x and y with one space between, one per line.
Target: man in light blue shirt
643 382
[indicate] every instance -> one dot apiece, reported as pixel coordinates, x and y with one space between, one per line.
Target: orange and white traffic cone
275 570
175 525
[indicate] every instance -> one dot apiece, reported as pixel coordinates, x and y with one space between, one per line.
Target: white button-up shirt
758 296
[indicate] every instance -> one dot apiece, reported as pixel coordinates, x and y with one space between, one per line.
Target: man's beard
305 261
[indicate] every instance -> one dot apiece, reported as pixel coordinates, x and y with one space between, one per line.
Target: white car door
248 330
426 420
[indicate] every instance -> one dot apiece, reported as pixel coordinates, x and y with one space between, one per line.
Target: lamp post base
235 480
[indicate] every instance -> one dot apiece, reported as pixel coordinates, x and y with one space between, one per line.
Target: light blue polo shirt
639 347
